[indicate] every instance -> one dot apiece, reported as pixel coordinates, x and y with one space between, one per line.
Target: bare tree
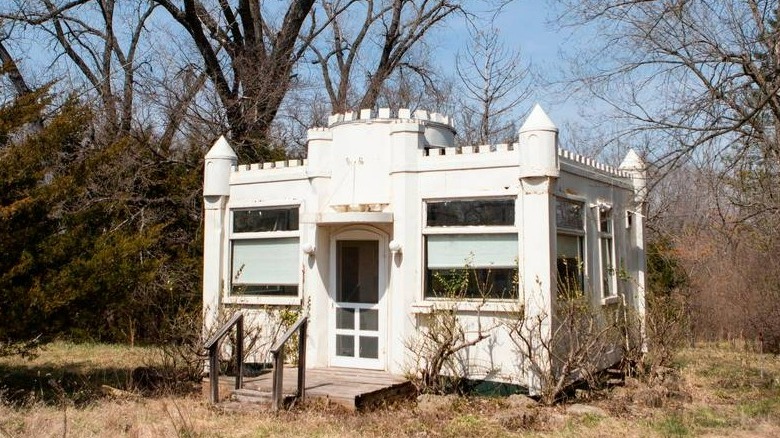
357 60
407 89
443 335
495 82
560 348
10 68
248 58
105 55
697 73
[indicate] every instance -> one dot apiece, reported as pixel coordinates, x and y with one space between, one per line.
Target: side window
570 251
264 252
606 252
470 249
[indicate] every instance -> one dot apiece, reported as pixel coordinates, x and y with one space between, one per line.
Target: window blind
448 251
266 261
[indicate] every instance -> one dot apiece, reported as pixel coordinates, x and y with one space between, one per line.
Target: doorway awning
353 217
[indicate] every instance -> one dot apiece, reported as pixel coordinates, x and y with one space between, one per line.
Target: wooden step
246 395
355 389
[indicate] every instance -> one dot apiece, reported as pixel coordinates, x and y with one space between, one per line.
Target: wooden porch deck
352 388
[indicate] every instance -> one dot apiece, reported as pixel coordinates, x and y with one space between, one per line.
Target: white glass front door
357 319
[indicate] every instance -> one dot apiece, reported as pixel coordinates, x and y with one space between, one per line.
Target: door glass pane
345 318
369 319
369 347
357 276
345 345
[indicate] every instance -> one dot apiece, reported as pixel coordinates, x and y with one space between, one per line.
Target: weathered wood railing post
278 378
302 359
212 345
240 352
277 354
214 374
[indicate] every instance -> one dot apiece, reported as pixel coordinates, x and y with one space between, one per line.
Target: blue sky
525 25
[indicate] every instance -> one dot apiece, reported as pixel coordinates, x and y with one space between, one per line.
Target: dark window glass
607 267
357 277
345 345
570 278
605 221
265 219
464 213
498 283
369 347
568 214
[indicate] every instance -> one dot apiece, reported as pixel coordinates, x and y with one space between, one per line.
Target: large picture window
471 249
570 235
264 252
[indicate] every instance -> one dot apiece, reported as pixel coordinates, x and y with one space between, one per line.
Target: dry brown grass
733 393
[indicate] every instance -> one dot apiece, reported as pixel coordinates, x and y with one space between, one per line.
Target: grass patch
760 408
672 426
470 425
708 418
67 373
589 420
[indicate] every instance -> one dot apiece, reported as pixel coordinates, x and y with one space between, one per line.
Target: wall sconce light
394 246
308 248
603 206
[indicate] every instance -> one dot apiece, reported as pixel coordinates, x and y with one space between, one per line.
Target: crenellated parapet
269 165
488 150
437 129
484 149
593 164
385 114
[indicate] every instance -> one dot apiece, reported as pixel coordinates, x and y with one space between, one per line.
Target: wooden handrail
277 351
288 334
223 330
212 345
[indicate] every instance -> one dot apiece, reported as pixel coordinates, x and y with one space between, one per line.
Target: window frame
581 234
607 268
444 230
232 236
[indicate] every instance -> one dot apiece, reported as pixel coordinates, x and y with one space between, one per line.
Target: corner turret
636 167
219 161
538 145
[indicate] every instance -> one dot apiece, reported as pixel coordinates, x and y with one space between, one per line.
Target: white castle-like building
364 234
